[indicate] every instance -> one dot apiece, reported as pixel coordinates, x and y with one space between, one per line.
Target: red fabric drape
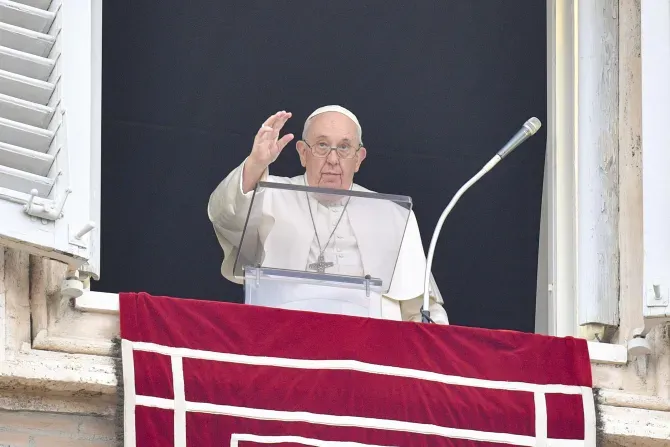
403 380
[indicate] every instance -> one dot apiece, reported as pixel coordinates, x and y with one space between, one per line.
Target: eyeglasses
344 150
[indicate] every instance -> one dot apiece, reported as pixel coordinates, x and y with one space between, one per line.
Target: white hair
338 109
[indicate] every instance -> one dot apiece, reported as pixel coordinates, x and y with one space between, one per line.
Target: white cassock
355 248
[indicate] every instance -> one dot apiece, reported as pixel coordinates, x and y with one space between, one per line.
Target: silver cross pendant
320 265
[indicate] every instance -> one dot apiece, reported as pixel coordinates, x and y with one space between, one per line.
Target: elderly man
331 151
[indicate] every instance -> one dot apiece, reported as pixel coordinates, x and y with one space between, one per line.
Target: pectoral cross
320 265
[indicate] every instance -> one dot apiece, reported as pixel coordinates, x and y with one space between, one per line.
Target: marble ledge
59 372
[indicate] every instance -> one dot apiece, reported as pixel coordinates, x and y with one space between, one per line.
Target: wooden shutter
50 128
655 40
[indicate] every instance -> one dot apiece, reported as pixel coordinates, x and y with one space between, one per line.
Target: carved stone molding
56 324
53 357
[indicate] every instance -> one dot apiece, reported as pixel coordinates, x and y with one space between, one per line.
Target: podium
327 219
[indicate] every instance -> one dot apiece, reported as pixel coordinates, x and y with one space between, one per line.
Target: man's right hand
266 149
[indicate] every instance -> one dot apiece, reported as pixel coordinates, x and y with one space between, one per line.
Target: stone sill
100 302
634 420
606 353
58 372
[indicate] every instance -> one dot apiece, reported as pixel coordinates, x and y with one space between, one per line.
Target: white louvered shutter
50 80
655 52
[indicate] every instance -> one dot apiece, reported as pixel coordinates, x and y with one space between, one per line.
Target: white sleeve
407 282
411 311
227 209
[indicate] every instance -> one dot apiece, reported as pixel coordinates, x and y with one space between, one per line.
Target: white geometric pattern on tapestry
249 440
181 406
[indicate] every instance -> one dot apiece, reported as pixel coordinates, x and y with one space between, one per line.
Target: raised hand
267 144
267 147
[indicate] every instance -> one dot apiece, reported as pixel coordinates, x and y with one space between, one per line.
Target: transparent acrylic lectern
359 234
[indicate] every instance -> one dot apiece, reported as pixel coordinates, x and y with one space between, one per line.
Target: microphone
528 129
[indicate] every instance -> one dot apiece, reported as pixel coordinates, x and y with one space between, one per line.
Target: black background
438 85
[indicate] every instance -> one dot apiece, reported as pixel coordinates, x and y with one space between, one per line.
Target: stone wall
39 429
57 383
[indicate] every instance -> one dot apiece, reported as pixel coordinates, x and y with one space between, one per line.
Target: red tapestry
203 374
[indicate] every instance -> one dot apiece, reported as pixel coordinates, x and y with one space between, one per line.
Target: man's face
331 129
